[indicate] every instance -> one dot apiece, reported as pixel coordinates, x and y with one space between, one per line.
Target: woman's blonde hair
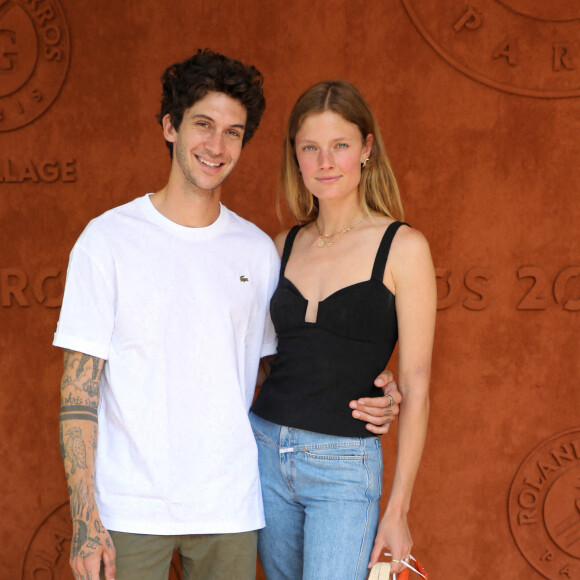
378 188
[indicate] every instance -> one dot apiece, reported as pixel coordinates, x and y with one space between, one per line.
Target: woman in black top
354 280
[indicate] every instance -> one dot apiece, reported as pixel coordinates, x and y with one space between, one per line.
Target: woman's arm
410 268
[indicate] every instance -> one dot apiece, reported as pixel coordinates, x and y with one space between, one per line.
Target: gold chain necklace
324 238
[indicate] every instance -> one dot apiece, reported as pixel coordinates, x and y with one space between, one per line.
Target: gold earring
366 161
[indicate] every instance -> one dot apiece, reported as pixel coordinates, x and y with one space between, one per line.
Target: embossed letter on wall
526 47
19 288
34 58
472 288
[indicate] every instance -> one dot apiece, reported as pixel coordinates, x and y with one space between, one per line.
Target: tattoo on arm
81 508
76 372
79 378
75 450
85 358
68 356
91 385
91 388
95 439
78 411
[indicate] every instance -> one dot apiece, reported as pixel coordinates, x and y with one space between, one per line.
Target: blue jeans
321 501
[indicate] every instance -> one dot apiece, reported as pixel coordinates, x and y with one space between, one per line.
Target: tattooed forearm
95 438
79 405
81 505
85 358
76 400
68 359
78 412
83 412
91 388
73 448
91 385
85 520
82 374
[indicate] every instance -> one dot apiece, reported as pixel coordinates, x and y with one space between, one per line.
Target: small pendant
320 244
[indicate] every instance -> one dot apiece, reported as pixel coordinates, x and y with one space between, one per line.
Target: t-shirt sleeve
88 310
270 342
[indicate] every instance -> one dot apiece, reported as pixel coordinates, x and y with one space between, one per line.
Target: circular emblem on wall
48 552
525 47
47 555
544 506
34 59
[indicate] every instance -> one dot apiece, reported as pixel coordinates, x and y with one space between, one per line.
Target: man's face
208 143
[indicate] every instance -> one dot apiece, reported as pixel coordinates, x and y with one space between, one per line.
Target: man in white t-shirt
164 322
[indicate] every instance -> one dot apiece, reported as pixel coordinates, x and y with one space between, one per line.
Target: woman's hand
392 536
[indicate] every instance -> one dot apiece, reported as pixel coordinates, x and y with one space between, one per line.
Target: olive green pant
203 556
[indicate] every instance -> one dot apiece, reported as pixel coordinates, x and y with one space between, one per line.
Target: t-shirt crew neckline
186 232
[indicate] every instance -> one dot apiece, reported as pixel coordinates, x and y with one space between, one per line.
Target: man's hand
379 412
90 548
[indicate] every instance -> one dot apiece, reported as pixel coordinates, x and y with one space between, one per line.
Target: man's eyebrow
208 118
202 116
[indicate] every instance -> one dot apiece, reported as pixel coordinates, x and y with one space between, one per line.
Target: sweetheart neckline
336 291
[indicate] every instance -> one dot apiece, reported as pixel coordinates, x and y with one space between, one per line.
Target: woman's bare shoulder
410 239
410 247
280 240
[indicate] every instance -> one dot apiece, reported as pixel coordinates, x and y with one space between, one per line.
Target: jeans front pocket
336 453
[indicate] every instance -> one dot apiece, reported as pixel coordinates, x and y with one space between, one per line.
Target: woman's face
330 152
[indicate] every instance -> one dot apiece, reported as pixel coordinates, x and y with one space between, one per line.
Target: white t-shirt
181 316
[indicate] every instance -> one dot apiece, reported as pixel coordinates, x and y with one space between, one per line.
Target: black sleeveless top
322 365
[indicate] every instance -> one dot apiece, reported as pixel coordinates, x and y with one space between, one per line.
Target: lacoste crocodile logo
244 279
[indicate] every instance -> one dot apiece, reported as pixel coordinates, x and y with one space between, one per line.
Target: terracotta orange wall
479 108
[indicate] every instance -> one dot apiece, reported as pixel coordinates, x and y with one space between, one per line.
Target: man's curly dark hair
185 83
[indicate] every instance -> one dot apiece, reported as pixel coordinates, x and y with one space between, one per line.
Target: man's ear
169 131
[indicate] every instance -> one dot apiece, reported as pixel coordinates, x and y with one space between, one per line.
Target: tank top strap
288 247
383 251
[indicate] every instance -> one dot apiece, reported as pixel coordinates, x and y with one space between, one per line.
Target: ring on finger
391 400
